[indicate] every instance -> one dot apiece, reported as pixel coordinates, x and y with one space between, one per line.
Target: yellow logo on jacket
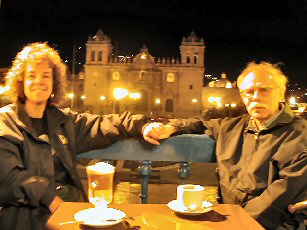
63 139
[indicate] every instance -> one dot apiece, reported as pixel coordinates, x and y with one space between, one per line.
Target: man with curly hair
39 142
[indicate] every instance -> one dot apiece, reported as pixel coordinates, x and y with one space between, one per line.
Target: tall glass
100 183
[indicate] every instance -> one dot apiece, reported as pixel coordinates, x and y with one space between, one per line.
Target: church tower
192 50
98 49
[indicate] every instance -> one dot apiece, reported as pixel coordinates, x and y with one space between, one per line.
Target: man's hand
57 201
153 132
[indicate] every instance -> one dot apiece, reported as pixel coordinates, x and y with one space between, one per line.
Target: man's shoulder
299 124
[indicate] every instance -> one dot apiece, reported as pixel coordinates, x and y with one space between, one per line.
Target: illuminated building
166 86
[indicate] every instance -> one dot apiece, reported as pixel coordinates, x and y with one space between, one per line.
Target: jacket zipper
257 134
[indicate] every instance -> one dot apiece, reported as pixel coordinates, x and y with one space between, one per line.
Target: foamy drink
100 183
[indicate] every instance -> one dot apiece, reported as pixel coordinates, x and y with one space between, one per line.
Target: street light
292 100
102 99
194 102
135 96
71 97
211 99
157 106
119 93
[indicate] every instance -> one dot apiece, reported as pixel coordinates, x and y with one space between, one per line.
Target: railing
182 148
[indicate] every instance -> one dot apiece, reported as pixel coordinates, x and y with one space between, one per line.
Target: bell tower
192 50
98 49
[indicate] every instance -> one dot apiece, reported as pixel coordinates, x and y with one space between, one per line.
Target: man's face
261 96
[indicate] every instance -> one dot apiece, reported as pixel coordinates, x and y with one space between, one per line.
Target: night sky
235 32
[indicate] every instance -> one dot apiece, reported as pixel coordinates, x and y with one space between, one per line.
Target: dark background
235 32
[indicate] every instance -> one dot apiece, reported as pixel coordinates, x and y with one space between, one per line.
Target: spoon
82 221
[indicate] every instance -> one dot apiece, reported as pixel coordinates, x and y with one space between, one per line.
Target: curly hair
35 53
266 69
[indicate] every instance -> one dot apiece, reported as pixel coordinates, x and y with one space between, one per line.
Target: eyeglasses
264 91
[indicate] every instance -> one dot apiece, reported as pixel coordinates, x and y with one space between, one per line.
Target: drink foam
101 168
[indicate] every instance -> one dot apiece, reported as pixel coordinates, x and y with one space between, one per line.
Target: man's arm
153 132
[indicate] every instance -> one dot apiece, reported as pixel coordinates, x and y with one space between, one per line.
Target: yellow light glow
83 97
71 95
194 100
120 93
211 99
158 101
292 100
135 96
102 98
227 105
2 90
228 85
218 99
219 105
143 56
233 104
301 109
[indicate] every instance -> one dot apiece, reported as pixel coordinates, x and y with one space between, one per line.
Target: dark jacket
27 185
263 172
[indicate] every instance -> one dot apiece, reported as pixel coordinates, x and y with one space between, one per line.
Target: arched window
142 75
115 76
100 56
188 60
170 77
169 106
195 58
93 55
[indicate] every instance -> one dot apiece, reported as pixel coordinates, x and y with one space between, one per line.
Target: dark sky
235 32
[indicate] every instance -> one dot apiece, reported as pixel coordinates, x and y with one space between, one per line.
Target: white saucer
99 218
180 208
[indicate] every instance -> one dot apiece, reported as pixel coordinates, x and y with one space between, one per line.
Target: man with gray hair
261 155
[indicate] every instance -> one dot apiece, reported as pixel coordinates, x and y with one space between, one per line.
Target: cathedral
144 84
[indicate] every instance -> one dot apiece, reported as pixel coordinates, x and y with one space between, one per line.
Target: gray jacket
27 185
263 172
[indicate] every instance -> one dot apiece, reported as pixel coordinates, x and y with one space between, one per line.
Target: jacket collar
285 116
55 117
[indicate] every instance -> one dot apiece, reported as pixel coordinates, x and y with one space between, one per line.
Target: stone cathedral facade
166 86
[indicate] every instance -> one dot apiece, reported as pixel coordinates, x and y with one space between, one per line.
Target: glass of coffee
100 183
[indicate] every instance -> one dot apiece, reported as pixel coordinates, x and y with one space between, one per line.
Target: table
159 216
